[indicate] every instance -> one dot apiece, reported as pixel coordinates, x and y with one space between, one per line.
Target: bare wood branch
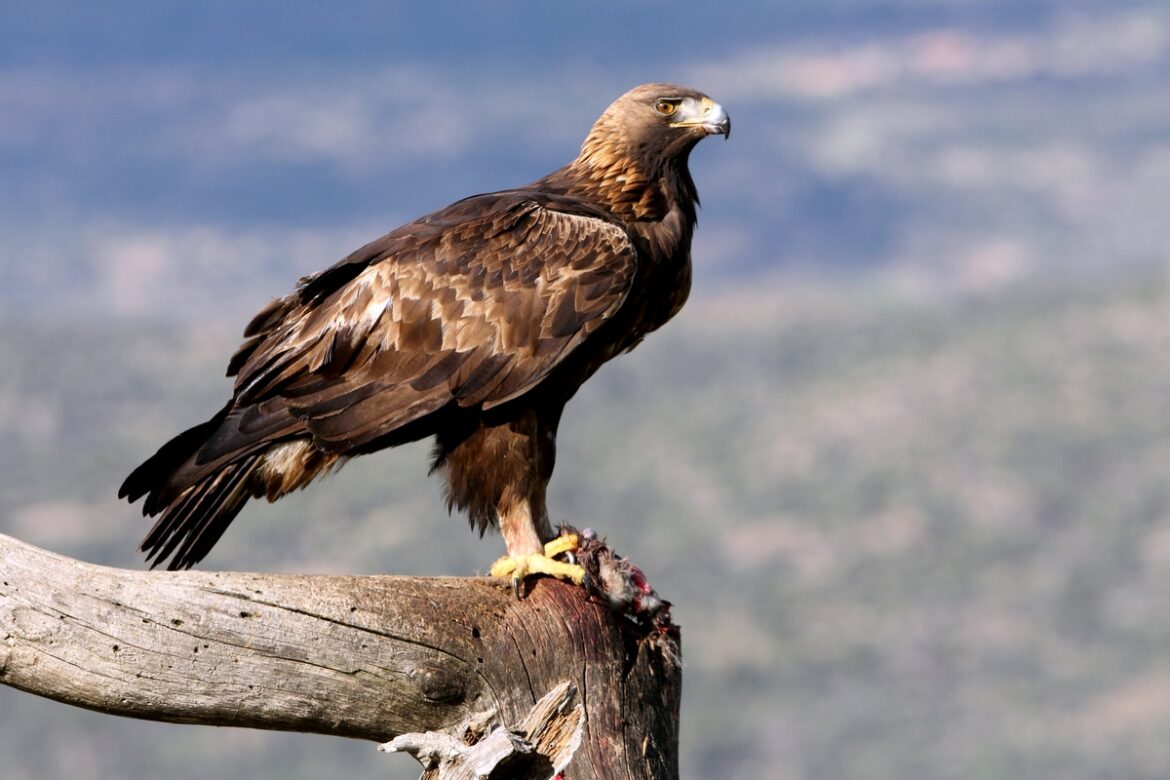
542 746
368 657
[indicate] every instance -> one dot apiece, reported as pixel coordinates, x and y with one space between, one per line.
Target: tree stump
430 663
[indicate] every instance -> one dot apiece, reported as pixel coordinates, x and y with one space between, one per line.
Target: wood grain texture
368 657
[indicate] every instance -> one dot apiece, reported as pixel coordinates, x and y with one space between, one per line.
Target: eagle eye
666 106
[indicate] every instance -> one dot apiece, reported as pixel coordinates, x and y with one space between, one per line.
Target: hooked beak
706 115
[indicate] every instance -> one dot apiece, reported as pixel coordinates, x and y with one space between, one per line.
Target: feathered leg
499 474
532 546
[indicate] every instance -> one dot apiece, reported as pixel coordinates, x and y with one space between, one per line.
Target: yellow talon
503 567
561 544
522 567
525 566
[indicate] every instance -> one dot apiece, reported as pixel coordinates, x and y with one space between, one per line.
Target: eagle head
654 124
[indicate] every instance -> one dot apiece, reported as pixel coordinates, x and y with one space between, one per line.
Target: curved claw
521 567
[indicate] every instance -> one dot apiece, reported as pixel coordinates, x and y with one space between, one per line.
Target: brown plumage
474 324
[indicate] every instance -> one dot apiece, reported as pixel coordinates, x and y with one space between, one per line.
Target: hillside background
903 463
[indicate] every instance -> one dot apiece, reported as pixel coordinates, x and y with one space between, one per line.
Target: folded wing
474 305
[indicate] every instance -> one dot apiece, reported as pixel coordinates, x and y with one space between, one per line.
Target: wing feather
475 304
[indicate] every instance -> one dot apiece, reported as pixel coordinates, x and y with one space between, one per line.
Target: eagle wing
474 304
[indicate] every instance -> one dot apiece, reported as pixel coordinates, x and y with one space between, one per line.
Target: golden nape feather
474 325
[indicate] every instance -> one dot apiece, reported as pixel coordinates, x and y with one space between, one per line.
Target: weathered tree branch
545 743
369 657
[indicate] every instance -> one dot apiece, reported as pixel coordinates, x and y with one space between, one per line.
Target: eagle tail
189 527
194 505
199 481
154 478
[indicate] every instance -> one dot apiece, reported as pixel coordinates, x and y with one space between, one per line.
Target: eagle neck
655 197
635 188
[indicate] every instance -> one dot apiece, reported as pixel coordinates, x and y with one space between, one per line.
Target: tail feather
199 481
194 503
188 529
152 477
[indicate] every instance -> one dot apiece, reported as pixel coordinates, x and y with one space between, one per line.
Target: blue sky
168 157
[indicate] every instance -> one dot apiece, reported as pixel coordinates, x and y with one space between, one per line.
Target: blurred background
902 463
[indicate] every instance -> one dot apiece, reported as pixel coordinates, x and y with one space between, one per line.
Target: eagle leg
520 567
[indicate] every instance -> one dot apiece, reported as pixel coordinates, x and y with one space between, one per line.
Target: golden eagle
474 324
